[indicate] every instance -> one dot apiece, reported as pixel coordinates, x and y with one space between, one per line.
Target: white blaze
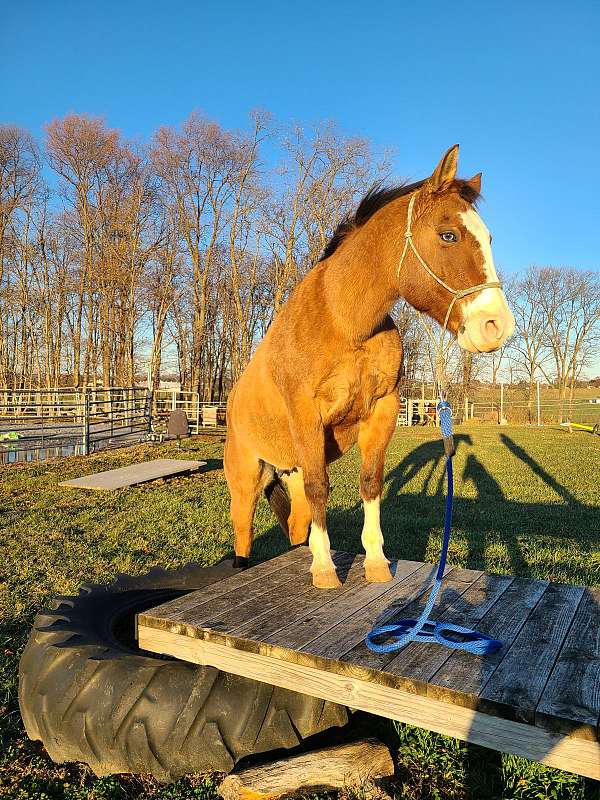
477 228
489 300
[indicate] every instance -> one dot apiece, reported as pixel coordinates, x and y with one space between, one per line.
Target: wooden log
355 763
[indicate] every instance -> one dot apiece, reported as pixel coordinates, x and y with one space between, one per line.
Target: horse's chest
348 394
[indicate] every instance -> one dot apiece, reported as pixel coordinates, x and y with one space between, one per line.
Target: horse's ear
475 182
445 172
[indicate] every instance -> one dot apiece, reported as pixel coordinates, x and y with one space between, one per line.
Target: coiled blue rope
404 631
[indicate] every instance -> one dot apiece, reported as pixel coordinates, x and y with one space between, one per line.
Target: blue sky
515 83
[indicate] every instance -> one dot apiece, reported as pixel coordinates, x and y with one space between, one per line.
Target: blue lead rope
404 631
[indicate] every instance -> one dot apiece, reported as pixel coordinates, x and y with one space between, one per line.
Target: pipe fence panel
36 425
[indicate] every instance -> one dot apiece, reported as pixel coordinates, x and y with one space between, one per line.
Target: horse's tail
279 501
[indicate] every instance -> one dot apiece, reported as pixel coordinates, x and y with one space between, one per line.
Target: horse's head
449 254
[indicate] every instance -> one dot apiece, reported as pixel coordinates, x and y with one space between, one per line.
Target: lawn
528 503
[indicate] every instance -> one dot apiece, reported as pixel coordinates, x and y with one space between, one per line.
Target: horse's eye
448 236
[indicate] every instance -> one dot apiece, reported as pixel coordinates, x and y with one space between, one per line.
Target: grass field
528 503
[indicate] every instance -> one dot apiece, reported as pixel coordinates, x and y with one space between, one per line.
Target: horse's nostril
493 329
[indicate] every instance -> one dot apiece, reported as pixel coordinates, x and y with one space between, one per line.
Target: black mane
377 197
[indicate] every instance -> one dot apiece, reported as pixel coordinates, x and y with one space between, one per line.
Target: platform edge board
580 756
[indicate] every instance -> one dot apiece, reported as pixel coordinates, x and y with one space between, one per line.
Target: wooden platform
538 697
134 473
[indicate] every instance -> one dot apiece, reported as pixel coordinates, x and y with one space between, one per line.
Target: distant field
528 503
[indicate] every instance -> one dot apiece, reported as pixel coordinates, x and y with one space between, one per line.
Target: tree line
120 259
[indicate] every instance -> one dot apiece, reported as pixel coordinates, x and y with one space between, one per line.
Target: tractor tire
90 694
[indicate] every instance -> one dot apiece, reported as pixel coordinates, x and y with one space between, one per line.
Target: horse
327 372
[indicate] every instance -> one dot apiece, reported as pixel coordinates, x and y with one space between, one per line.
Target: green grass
527 503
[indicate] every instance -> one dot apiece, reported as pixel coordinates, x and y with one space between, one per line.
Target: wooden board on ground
134 473
537 697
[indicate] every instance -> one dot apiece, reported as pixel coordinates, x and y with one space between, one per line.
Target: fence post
538 403
466 408
197 412
150 406
409 412
86 423
501 403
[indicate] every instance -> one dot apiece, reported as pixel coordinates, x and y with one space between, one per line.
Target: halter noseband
457 294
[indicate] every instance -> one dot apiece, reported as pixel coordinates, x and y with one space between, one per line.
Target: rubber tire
89 694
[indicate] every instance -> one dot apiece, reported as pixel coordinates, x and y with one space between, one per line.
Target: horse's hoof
379 572
326 579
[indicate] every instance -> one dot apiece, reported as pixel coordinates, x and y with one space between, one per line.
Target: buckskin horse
326 374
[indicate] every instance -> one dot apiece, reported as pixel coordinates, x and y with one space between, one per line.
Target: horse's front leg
309 442
374 435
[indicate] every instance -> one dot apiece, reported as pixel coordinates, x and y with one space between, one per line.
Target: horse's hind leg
245 478
373 438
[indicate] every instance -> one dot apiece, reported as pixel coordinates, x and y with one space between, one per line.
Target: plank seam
285 600
553 667
489 611
357 610
534 710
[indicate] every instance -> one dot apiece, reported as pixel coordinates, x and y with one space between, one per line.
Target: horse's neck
360 288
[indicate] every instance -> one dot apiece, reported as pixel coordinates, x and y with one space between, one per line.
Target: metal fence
494 404
40 424
201 415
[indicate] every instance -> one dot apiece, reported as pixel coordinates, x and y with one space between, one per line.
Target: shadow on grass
211 465
410 518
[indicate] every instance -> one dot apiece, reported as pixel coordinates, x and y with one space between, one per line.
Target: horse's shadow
411 517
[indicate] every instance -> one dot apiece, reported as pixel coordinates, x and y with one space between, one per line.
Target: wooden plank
339 608
575 755
337 641
296 601
570 702
305 602
169 613
418 662
516 685
281 589
456 582
462 676
134 474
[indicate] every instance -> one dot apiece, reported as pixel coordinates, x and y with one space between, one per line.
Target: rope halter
457 294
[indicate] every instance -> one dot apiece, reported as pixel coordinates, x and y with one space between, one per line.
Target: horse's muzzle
488 322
